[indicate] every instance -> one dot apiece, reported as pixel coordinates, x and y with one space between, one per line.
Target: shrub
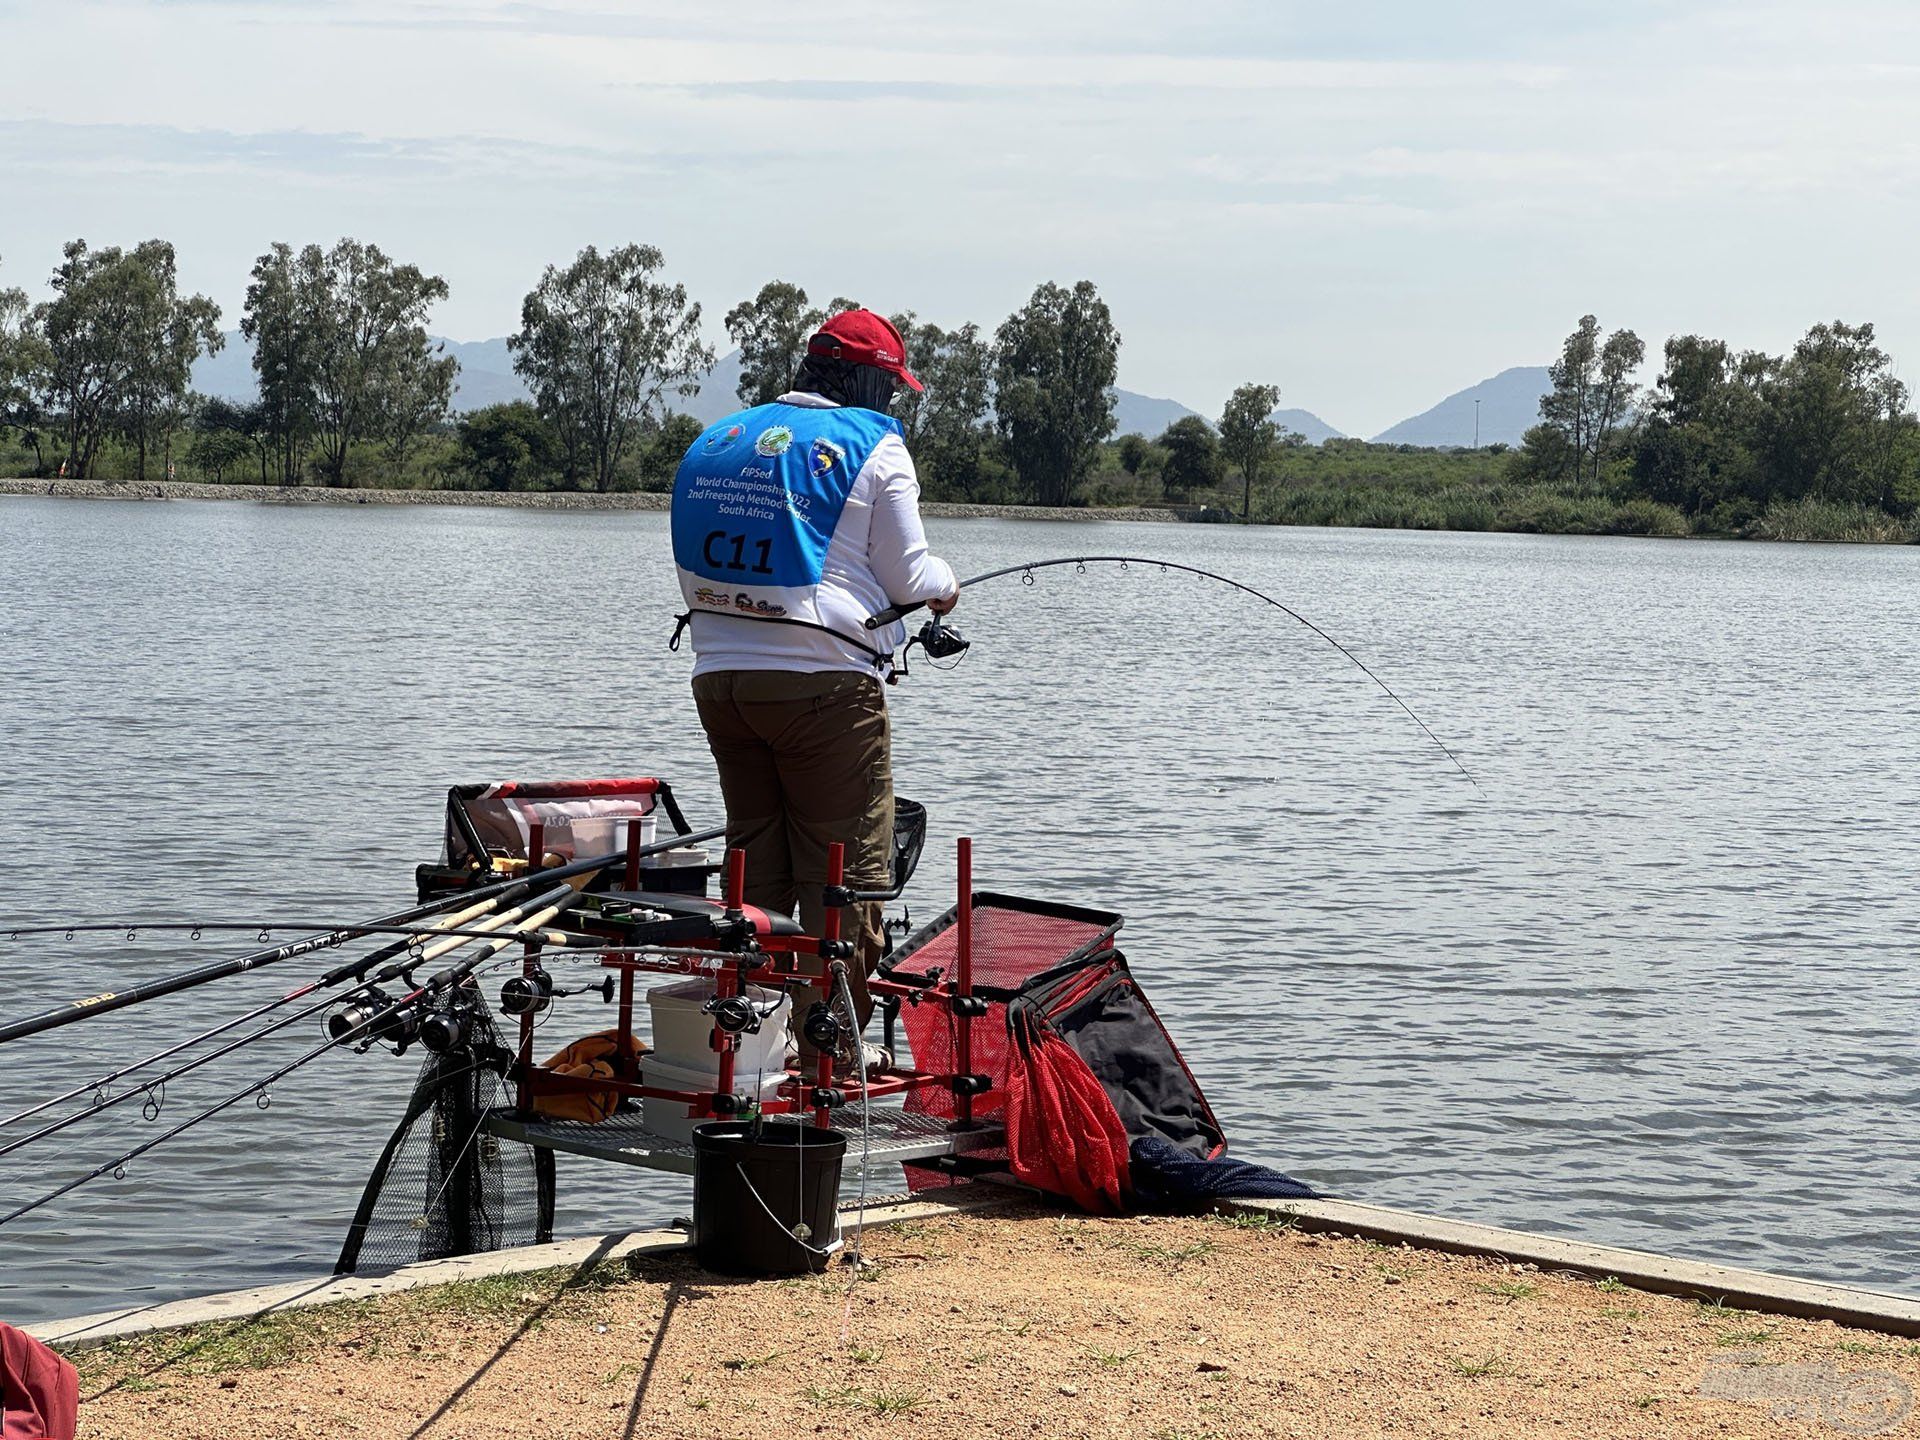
1467 510
1647 517
1812 519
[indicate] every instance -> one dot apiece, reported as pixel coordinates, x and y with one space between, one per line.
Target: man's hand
944 607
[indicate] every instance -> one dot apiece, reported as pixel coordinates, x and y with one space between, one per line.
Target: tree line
350 384
1727 437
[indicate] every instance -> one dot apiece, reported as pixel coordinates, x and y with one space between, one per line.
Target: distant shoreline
512 499
152 490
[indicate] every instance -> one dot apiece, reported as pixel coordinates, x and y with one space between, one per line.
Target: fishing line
1025 571
148 1087
856 1258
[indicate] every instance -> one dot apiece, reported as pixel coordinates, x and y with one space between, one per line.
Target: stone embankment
511 499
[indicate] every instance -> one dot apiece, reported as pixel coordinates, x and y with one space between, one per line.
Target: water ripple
1650 986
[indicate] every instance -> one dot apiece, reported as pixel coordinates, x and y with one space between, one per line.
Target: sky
1370 204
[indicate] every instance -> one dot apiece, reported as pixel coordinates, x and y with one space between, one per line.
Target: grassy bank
1345 483
1395 488
1024 1324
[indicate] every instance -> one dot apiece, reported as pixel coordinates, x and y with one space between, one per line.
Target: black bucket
791 1170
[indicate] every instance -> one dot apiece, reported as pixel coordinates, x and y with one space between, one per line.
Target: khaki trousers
806 760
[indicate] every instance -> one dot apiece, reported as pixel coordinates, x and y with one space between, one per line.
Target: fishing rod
1025 571
110 1000
346 1034
157 1086
367 929
192 928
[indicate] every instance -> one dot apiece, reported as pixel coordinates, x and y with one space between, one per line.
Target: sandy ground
1019 1325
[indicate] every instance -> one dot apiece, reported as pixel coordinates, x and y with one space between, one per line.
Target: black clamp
836 950
734 933
837 897
731 1104
970 1084
825 1097
972 1005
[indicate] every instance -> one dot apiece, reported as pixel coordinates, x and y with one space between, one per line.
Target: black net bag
442 1186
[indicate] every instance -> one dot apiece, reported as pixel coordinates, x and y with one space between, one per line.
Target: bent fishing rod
111 1000
346 1035
1025 571
156 1087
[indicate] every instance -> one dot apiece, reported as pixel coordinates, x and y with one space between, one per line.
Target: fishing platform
1017 1044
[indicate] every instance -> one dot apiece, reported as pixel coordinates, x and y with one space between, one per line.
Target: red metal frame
771 960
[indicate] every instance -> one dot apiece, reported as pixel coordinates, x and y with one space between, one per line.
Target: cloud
1372 203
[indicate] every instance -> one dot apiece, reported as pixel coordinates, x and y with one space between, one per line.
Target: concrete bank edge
84 1332
511 500
1755 1290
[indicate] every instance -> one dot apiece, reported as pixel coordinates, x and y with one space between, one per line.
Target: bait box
683 1032
671 1119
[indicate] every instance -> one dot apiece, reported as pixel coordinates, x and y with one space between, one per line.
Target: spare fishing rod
947 641
157 1086
366 929
356 971
443 981
110 1000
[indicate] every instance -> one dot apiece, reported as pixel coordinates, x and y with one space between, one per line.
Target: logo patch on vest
721 439
772 441
822 457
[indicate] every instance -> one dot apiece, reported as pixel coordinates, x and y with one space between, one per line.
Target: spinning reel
740 1014
941 642
531 994
376 1016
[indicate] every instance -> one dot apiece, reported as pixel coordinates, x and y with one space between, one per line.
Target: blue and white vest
756 503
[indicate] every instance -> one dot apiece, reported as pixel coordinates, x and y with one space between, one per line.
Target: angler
805 513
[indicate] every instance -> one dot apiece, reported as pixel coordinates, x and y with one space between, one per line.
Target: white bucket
588 836
670 1119
685 856
682 1031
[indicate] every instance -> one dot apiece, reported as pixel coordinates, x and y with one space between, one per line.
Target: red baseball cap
866 339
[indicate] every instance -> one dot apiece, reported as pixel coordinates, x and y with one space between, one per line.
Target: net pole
728 984
523 1086
628 1054
963 984
829 943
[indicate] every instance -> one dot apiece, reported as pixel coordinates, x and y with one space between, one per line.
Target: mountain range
1508 406
1508 403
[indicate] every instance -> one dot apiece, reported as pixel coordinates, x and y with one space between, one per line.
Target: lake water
1651 984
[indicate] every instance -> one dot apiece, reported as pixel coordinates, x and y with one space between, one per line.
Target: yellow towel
591 1057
